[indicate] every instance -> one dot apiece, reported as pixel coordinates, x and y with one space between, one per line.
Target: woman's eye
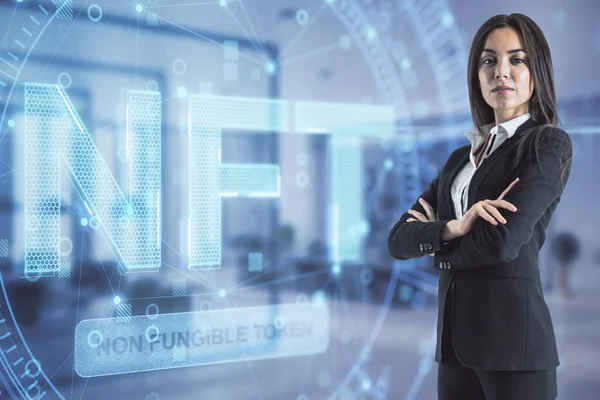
488 61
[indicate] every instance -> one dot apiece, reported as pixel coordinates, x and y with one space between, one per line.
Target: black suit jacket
499 318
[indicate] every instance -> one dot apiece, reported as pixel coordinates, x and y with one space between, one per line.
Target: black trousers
459 382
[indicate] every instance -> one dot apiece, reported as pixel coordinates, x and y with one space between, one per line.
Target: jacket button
449 265
421 247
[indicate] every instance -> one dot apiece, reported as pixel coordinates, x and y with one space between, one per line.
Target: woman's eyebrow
509 52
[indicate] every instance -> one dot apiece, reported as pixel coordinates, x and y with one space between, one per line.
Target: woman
484 218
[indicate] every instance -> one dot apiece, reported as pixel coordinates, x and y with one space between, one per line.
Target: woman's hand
486 209
430 217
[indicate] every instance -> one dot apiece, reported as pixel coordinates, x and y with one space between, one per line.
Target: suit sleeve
539 188
415 239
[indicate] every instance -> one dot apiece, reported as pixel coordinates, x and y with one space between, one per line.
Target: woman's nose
502 70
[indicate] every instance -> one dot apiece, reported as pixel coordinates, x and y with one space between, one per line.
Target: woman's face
502 63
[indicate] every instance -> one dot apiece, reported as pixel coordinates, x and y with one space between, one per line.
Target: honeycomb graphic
210 179
55 136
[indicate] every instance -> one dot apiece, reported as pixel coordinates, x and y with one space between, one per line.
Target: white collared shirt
500 133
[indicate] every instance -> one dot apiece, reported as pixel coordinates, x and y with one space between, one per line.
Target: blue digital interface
55 136
196 196
189 218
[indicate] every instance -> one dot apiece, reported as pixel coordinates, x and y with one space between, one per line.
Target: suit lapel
489 162
447 183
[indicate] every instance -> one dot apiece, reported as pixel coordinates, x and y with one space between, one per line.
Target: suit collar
502 150
505 130
482 171
508 127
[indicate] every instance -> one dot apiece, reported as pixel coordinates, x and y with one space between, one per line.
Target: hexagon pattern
56 135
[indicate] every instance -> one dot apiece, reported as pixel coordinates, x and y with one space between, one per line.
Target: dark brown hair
542 104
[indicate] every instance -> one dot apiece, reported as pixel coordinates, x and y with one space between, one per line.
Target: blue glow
348 124
11 123
405 63
255 262
222 293
210 180
271 67
406 292
223 3
345 119
447 19
182 92
319 297
371 33
84 221
365 228
366 385
139 8
117 299
336 269
388 164
130 223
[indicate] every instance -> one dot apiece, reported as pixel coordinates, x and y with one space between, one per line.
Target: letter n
55 136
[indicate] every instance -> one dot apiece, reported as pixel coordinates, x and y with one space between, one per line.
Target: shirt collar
509 127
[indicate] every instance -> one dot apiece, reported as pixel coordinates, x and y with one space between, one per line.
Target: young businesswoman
484 218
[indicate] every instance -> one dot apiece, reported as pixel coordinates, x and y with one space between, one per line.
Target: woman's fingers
501 204
482 212
418 215
488 210
411 220
494 212
513 183
428 209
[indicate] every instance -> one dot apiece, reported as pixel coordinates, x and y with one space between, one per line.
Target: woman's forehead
505 40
